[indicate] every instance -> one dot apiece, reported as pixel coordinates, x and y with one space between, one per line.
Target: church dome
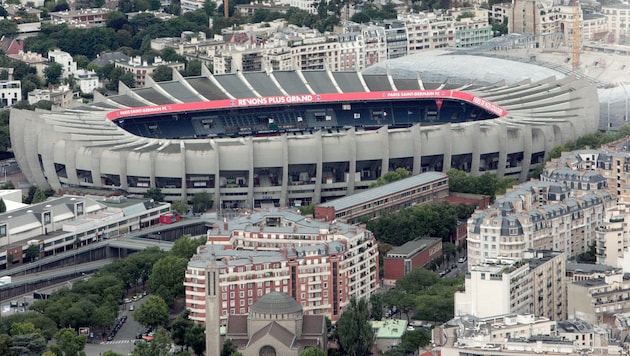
276 303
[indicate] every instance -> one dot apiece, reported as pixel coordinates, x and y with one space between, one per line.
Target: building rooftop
384 190
276 303
389 329
413 247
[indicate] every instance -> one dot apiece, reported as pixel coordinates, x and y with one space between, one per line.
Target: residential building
396 40
582 333
191 5
424 188
10 92
388 333
471 31
32 59
61 96
587 271
141 69
536 215
276 325
305 5
87 80
84 18
618 19
532 285
320 264
597 300
65 60
110 57
401 260
612 238
11 45
472 332
542 20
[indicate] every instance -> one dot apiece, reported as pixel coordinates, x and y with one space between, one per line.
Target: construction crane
576 46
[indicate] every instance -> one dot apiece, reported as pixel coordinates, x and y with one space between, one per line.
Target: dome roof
276 303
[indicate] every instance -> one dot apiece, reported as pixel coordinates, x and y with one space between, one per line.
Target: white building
60 96
534 285
87 80
10 92
65 60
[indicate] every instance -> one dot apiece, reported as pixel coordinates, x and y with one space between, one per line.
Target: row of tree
94 302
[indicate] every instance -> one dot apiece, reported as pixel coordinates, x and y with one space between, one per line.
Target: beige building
534 285
536 215
597 300
61 97
612 239
141 69
618 18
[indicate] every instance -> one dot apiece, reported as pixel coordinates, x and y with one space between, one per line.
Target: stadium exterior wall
85 146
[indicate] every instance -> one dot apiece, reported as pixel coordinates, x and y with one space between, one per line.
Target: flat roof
416 245
389 329
384 190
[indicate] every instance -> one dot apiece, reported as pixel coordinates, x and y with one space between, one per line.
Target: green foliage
307 210
376 306
589 256
3 206
228 348
201 202
354 332
427 220
185 247
391 176
28 344
424 293
152 312
155 194
53 73
465 15
163 73
180 207
486 184
69 342
8 28
196 338
167 278
39 196
594 140
313 351
46 327
179 327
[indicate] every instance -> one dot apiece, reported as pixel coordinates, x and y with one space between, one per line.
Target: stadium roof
384 190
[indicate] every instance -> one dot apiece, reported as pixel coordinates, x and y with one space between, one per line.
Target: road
123 342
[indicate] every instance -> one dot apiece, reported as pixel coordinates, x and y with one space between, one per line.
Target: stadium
290 138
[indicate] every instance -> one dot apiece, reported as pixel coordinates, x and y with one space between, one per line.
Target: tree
69 342
391 176
228 348
3 206
186 247
180 327
163 73
39 196
153 312
180 207
307 210
354 332
196 338
376 306
167 278
28 344
414 339
53 73
8 28
155 194
313 351
24 328
201 202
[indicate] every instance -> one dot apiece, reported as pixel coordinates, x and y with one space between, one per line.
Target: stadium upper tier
298 137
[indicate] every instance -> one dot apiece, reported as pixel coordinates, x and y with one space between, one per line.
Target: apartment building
83 18
536 215
320 264
618 19
141 69
65 60
10 92
531 285
428 187
598 300
61 96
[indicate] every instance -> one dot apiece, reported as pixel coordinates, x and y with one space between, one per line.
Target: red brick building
414 254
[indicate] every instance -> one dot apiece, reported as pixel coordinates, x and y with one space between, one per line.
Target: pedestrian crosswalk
115 342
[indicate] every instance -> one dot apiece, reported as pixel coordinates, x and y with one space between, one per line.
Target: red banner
439 103
312 98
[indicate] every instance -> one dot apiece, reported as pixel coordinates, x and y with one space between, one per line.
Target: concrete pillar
352 168
284 192
416 134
